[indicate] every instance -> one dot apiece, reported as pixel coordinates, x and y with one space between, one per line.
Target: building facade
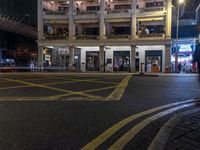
104 35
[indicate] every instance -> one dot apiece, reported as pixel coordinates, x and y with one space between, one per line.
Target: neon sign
185 48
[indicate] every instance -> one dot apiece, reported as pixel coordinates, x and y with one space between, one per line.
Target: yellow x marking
51 88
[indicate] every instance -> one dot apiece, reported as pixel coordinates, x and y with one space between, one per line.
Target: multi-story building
18 33
105 35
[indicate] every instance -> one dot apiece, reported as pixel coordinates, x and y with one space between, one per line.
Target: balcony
118 13
51 12
152 35
87 37
85 14
118 36
152 9
59 15
56 37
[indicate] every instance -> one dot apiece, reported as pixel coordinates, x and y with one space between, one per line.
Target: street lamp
177 33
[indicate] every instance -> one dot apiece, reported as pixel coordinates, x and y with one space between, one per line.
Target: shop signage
185 48
47 57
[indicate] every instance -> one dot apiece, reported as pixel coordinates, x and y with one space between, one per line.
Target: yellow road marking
86 91
109 132
119 91
70 81
52 88
123 141
14 87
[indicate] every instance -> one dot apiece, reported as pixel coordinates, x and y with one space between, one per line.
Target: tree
196 56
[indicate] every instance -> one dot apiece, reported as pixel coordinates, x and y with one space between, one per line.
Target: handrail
86 12
118 36
151 9
86 37
114 11
151 35
58 12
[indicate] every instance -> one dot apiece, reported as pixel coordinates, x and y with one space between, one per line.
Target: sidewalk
186 133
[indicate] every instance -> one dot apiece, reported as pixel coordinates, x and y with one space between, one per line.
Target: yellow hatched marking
86 91
119 91
52 88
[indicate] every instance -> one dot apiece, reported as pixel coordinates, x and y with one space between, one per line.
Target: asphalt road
62 124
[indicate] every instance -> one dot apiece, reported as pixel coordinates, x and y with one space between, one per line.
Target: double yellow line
130 134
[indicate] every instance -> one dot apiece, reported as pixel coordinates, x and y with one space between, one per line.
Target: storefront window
121 61
92 61
153 61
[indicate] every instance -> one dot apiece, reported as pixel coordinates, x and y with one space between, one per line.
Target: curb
161 139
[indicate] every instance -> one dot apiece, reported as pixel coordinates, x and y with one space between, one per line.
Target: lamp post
177 35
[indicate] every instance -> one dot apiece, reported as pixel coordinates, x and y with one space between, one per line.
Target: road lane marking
64 82
109 132
14 87
87 91
129 135
119 91
53 88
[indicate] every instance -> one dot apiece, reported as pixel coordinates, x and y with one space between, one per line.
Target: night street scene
100 74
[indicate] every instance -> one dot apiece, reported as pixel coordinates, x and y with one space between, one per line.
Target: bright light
181 1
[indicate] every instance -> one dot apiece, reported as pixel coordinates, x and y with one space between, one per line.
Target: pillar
133 19
167 56
101 59
71 20
71 57
40 58
102 28
132 58
40 20
168 19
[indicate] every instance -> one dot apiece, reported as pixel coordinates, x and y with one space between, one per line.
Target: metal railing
86 37
118 36
151 9
86 12
151 35
56 37
51 12
118 11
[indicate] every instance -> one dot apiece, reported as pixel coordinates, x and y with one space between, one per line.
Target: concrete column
40 58
79 28
102 27
133 19
132 58
71 20
168 19
40 20
101 59
71 57
167 56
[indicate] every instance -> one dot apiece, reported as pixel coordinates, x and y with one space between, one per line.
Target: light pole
177 35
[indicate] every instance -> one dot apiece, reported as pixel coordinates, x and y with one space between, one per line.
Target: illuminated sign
184 48
47 57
